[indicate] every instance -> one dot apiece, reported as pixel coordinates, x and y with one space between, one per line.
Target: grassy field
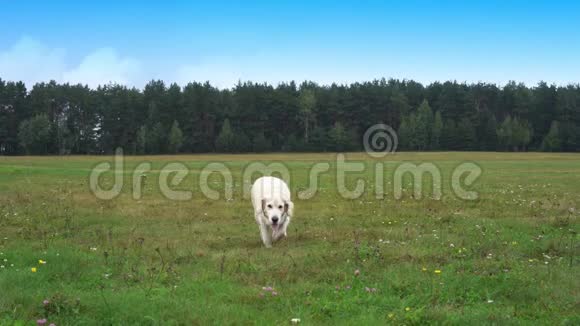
509 257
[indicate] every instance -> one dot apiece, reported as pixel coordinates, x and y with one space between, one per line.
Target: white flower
295 320
489 301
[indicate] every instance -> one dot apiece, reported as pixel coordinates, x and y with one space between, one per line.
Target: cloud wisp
31 61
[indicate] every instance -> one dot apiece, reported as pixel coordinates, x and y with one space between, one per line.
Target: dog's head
276 211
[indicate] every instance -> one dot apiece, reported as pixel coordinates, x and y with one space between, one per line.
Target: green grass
510 257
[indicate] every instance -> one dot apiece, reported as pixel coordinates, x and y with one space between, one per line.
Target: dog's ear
288 207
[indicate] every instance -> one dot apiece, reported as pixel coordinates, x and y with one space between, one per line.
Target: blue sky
131 42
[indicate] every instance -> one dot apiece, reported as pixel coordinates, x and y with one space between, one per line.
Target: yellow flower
424 269
437 271
514 243
531 260
408 309
33 269
42 262
391 315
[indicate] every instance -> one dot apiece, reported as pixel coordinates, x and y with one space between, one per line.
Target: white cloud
31 61
104 66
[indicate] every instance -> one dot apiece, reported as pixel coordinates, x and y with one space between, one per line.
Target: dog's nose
274 219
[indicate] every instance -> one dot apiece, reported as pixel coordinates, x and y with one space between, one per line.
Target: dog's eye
269 206
280 207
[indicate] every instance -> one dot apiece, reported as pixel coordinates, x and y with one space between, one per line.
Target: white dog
272 208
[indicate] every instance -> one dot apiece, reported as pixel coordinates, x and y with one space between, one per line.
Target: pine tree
307 103
436 132
156 139
319 140
293 144
226 139
552 142
34 134
175 138
404 134
466 133
505 133
261 144
423 125
241 142
339 140
142 140
448 137
521 134
490 134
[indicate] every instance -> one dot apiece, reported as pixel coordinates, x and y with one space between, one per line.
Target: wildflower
408 309
489 301
93 248
267 288
391 315
45 302
33 269
531 260
337 287
52 324
424 269
41 322
274 293
42 262
347 287
295 320
437 271
357 272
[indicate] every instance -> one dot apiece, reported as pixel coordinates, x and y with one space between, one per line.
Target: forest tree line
53 118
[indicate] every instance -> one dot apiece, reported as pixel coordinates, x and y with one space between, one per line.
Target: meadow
509 257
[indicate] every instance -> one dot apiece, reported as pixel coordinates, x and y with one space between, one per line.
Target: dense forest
54 118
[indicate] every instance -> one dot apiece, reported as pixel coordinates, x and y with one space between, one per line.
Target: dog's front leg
266 236
281 232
